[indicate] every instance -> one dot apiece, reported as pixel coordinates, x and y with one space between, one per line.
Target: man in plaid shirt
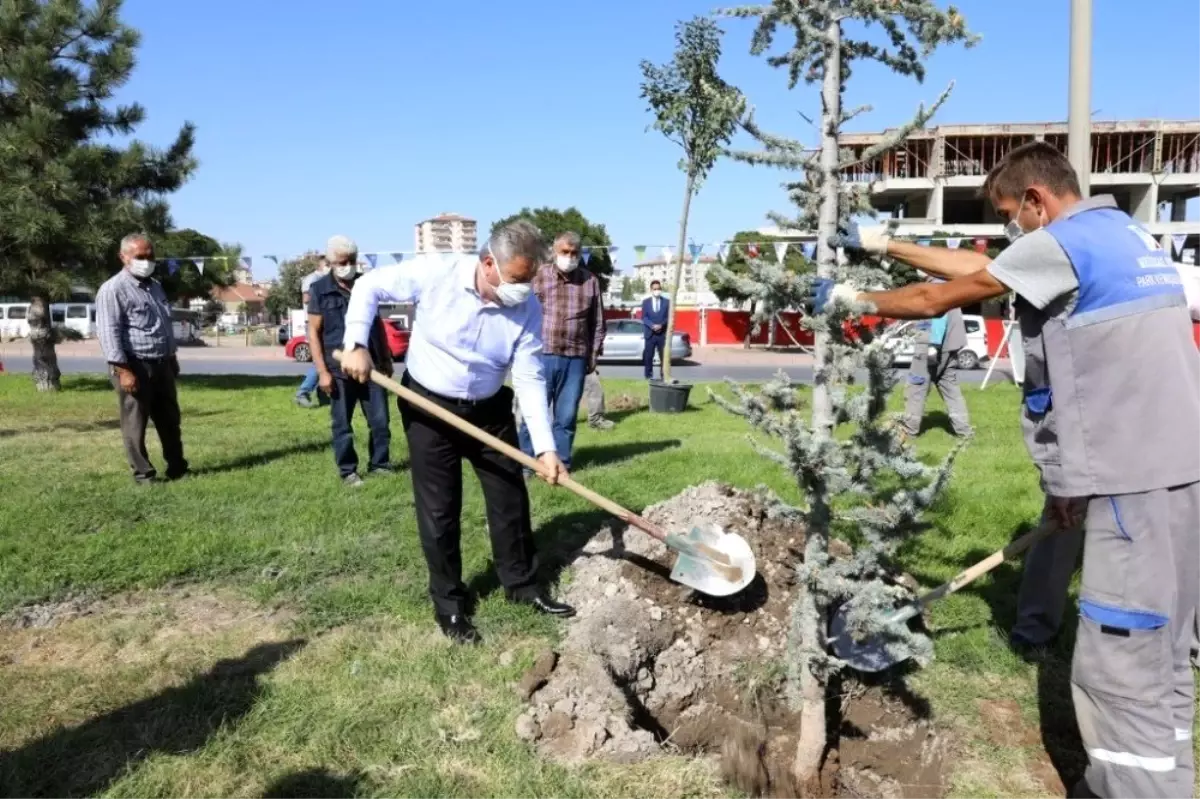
572 332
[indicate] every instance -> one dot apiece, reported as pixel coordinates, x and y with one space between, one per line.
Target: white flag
1178 240
953 243
780 250
666 254
722 252
199 262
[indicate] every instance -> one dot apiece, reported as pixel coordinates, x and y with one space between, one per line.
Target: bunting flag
953 244
1179 239
397 257
980 245
722 252
172 266
585 253
372 258
667 253
695 249
244 262
781 248
199 262
923 242
272 258
639 252
752 250
612 250
809 248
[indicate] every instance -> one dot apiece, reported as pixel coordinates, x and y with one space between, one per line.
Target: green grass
373 701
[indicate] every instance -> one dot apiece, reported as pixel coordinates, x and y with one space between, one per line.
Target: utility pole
1079 94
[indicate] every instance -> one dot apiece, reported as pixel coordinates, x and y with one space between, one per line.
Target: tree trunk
750 326
812 610
683 221
46 376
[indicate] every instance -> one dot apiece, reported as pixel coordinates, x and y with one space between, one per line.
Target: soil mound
648 666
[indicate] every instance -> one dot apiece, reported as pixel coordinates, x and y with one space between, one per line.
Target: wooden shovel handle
993 560
437 411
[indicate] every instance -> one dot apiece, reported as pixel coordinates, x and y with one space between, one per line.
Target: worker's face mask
566 263
345 271
1013 229
508 294
141 268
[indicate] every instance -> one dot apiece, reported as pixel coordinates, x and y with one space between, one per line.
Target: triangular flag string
639 252
1179 239
372 258
722 252
695 250
667 254
809 248
781 248
585 253
272 258
752 250
199 262
953 244
397 257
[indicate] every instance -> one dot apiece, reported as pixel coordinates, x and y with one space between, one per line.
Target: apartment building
446 232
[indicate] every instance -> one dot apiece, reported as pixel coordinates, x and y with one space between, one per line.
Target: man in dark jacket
656 311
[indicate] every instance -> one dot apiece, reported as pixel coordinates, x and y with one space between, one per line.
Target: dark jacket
649 317
328 299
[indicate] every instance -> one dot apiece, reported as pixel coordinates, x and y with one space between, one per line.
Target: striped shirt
572 314
133 319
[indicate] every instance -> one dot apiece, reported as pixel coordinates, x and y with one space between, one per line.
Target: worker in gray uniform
1111 416
935 361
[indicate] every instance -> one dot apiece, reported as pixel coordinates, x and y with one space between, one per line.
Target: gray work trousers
942 371
593 397
1131 680
154 401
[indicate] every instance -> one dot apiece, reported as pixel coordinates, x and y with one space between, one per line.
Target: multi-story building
446 232
931 182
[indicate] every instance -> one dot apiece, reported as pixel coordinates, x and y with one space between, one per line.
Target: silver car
624 340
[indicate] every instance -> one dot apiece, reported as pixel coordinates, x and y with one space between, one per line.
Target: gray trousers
593 397
1131 679
154 401
945 377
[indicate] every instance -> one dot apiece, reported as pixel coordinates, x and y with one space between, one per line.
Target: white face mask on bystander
141 268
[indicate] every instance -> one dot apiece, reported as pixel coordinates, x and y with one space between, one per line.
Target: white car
899 340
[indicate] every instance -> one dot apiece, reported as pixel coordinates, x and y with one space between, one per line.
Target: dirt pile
648 666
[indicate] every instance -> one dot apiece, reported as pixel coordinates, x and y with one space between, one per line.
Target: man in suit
655 312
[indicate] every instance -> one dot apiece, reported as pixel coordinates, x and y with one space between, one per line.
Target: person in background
330 296
935 360
593 395
656 312
476 322
309 384
133 320
572 334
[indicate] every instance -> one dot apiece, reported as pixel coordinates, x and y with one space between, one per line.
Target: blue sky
365 116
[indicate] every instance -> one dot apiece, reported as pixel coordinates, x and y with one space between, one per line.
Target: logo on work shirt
1157 259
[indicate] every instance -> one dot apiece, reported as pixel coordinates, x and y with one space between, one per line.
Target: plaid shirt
133 319
572 313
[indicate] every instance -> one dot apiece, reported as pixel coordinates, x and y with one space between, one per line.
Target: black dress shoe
458 628
543 604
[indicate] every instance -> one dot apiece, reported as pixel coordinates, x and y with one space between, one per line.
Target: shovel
872 654
709 560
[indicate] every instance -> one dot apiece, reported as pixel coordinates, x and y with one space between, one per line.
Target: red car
397 339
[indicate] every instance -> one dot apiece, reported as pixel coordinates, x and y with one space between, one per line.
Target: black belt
456 402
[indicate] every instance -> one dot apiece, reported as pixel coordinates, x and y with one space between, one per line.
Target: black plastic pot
669 397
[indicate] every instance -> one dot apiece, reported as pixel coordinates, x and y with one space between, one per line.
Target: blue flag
809 248
397 257
586 254
695 249
371 258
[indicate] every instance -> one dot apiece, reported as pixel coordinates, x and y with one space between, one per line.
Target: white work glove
875 239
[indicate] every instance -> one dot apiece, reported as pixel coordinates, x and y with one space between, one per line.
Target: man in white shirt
475 321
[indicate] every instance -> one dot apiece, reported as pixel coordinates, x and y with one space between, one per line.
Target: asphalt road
254 366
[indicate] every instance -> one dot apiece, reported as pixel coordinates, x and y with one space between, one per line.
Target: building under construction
932 180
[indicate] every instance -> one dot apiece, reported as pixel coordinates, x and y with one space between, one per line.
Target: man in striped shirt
572 333
134 324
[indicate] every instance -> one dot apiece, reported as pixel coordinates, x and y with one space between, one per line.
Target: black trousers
154 401
436 452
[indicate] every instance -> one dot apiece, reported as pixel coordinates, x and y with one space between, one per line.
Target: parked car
397 339
900 341
624 340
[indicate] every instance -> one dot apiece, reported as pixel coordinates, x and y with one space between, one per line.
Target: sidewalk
737 355
230 347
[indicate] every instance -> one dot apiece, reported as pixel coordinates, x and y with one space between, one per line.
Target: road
208 365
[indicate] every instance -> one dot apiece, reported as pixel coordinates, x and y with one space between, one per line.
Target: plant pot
669 397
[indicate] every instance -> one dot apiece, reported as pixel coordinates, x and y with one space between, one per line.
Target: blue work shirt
329 300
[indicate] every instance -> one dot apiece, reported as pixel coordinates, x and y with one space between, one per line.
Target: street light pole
1079 94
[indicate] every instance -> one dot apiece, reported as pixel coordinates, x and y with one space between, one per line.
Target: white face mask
657 293
141 268
566 263
509 294
344 272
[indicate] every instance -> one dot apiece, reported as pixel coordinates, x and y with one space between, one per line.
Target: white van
14 320
77 316
900 342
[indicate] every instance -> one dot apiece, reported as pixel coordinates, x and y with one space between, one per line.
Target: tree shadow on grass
239 382
263 458
600 455
86 759
90 427
314 784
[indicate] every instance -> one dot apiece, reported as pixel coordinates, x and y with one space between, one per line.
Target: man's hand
1066 512
552 468
357 364
325 382
126 379
822 291
174 366
873 239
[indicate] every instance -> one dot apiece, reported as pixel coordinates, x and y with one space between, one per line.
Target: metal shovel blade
875 652
704 575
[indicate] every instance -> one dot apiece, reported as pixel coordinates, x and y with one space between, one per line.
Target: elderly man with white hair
476 320
133 319
329 297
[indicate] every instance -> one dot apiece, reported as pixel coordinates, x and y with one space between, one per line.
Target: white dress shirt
462 346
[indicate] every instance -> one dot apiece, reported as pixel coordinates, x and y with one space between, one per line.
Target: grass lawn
271 634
